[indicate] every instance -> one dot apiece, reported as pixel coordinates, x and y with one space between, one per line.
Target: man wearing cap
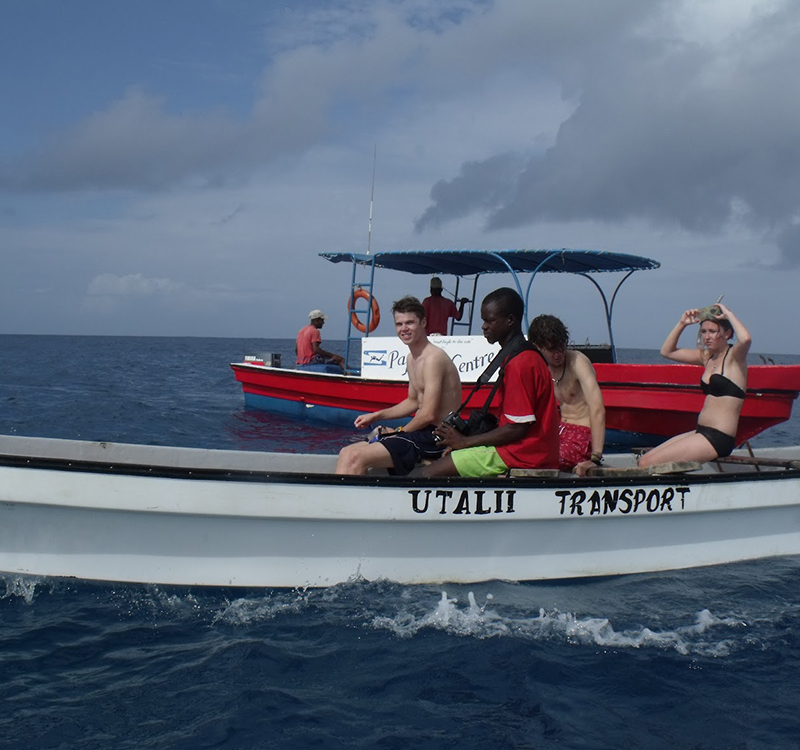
308 347
438 309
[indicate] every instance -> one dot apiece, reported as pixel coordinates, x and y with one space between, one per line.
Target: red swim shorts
575 445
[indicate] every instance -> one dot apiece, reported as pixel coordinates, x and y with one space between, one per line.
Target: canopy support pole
608 308
354 284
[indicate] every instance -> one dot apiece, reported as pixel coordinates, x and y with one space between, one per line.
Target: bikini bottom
721 442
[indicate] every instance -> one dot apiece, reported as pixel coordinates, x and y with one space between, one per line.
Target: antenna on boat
371 197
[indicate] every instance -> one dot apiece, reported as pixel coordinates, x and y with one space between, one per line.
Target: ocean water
696 659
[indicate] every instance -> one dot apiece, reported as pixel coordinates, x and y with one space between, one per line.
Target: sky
175 168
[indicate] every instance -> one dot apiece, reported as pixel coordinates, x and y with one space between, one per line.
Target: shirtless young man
582 431
434 390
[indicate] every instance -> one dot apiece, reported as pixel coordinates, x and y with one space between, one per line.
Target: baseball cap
314 314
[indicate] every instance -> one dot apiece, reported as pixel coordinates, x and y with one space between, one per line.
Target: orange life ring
375 317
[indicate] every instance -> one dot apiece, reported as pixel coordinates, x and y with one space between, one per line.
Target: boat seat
672 467
757 462
511 473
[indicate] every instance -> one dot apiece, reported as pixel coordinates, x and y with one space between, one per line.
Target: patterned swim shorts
575 445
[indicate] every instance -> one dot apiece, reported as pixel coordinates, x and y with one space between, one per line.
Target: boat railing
597 353
465 322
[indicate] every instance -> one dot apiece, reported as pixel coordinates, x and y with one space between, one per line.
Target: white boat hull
225 518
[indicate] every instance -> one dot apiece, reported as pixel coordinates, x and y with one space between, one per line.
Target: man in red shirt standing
527 434
438 309
308 346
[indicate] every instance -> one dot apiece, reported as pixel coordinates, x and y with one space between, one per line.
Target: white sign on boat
385 356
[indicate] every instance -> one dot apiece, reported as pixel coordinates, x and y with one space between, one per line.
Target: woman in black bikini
724 382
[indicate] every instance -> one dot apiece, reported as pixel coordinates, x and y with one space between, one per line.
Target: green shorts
480 461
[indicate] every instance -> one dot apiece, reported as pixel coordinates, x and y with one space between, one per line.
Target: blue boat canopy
475 262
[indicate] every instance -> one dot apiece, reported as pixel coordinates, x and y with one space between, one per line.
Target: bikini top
719 385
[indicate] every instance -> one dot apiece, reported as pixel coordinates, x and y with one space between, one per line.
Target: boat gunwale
634 384
194 473
673 383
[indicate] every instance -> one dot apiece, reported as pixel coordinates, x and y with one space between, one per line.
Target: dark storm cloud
479 186
675 133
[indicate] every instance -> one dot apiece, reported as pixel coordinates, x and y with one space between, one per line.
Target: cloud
788 242
132 285
659 112
111 293
327 69
137 287
675 124
341 73
480 185
133 144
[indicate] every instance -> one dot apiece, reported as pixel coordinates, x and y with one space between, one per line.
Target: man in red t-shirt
527 434
308 345
438 309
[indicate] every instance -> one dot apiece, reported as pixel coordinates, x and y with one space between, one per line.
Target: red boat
648 403
645 403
